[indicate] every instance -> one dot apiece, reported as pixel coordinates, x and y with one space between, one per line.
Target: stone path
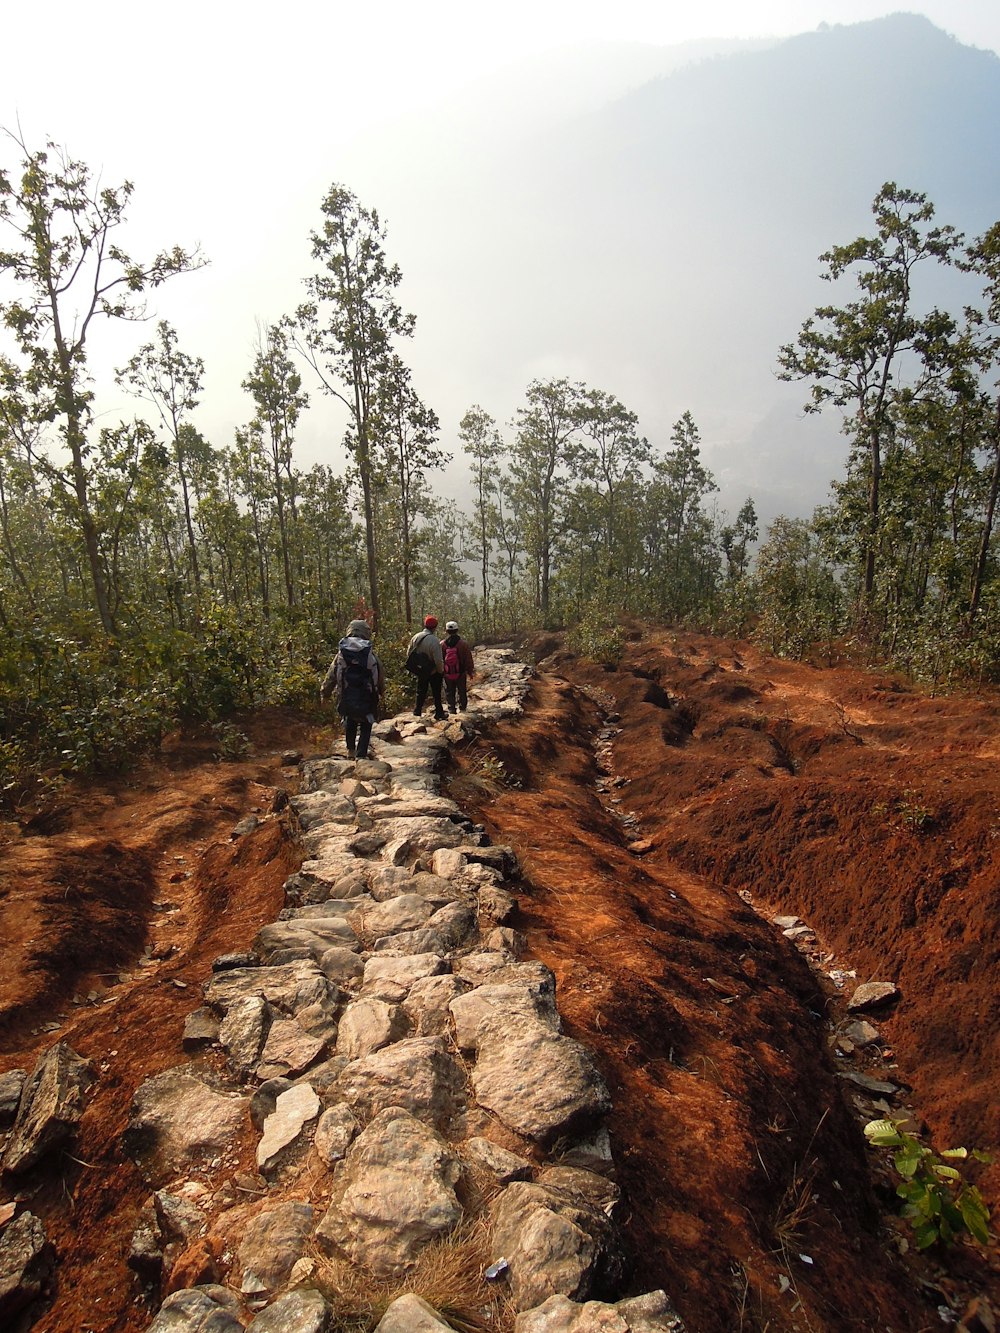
402 1067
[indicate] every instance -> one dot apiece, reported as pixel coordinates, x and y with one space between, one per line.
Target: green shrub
937 1202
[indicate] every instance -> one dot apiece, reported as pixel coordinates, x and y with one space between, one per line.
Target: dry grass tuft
447 1273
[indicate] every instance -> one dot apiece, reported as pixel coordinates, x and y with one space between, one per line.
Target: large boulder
303 1310
557 1236
411 1314
209 1309
395 1193
26 1263
651 1313
417 1074
539 1083
272 1244
49 1109
289 987
179 1122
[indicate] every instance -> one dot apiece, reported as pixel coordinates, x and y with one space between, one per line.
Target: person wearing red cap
426 660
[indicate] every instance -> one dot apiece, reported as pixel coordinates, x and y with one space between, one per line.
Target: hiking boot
351 754
440 717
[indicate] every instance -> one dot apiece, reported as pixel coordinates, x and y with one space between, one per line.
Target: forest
151 576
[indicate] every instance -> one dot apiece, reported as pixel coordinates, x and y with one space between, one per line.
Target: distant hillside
663 244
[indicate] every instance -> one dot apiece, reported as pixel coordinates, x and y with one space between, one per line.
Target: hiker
426 661
459 667
357 678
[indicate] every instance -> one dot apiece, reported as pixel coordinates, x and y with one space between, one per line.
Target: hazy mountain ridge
664 244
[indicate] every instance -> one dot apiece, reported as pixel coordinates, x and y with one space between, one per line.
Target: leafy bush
594 638
938 1203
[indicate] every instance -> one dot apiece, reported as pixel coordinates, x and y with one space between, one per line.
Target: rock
394 1194
11 1086
469 1010
368 1025
406 912
415 806
289 1050
289 758
201 1028
303 1310
197 1310
315 809
243 1031
178 1121
340 965
265 1098
557 1238
448 861
26 1263
539 1083
289 987
423 833
272 1243
876 1085
873 995
371 770
330 907
417 1075
227 961
315 933
502 859
245 826
49 1109
432 887
391 978
335 1132
293 1110
454 922
424 940
427 1005
787 922
389 881
593 1153
651 1313
319 1021
503 1165
504 940
861 1033
496 905
411 1314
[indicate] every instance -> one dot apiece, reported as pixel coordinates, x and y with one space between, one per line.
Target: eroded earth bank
659 817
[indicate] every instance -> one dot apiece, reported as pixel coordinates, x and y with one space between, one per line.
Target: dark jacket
466 666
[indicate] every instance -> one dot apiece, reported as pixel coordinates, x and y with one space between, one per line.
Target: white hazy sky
231 119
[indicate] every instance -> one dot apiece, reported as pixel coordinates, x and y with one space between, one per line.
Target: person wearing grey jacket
426 644
357 680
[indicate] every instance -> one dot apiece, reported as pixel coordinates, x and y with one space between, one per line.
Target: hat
359 629
451 625
430 622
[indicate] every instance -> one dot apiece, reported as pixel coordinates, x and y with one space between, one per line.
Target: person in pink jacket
459 667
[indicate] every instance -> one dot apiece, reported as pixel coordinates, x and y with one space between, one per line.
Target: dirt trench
754 1198
862 805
